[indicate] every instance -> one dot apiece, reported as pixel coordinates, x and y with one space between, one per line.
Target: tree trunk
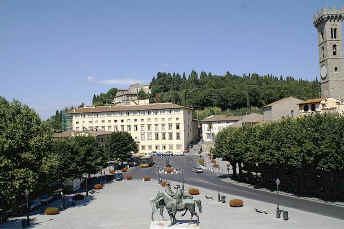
88 176
234 167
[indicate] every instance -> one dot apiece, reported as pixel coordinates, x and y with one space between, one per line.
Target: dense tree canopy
120 145
306 151
24 151
104 98
229 92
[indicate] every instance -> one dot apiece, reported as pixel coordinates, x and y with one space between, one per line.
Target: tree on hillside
119 146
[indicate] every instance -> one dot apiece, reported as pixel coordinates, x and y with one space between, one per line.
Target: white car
178 153
197 170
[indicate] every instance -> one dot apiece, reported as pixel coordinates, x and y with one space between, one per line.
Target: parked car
178 153
186 150
197 170
118 176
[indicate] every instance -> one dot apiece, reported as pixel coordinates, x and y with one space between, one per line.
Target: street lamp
278 213
27 206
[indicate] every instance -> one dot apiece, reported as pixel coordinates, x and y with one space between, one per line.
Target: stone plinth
181 224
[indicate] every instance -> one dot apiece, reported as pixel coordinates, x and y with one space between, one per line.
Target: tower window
336 69
333 33
334 49
323 52
313 107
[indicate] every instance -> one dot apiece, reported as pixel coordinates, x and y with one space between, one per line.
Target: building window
169 119
163 119
143 147
103 127
336 69
115 128
177 119
156 136
170 126
163 136
178 136
142 120
333 33
149 136
170 147
109 121
76 123
157 147
135 120
179 147
77 128
156 127
306 108
142 136
142 126
128 113
109 127
334 48
128 120
103 121
163 147
170 136
122 120
135 128
115 120
156 119
177 126
128 128
122 127
313 107
149 127
148 120
162 126
90 127
149 147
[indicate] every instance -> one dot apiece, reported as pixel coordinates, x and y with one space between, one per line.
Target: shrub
98 186
124 170
163 183
128 176
169 170
215 165
201 161
146 178
78 197
194 191
236 203
51 211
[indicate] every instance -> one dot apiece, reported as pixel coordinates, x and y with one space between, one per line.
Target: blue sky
59 53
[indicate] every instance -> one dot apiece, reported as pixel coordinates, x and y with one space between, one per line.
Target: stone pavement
126 205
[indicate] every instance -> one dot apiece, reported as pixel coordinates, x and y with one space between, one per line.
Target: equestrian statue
175 201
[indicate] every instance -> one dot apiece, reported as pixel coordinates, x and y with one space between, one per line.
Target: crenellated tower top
328 15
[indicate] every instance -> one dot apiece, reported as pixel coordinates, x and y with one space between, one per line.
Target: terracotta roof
252 118
216 118
308 101
73 133
282 100
153 106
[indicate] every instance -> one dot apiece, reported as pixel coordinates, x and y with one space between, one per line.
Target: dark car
118 176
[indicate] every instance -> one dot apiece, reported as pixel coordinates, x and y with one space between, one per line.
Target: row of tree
228 92
31 159
306 154
104 98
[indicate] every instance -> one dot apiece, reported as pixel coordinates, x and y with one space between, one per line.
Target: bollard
278 213
218 197
285 215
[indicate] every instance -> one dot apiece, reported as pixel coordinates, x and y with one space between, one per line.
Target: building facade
328 23
286 107
129 96
321 105
159 127
214 124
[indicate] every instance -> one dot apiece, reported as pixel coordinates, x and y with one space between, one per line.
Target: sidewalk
126 205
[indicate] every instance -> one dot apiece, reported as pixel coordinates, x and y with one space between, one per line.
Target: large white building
214 124
157 127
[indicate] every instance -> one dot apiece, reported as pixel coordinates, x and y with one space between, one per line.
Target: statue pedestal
181 224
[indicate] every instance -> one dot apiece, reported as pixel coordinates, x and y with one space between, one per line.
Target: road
213 182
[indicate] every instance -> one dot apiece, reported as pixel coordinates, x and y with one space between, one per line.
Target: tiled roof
217 118
251 118
317 100
153 106
290 97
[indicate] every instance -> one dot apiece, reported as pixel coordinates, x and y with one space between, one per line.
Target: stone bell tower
329 25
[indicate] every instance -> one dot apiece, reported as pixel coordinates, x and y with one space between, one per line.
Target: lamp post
27 206
278 213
